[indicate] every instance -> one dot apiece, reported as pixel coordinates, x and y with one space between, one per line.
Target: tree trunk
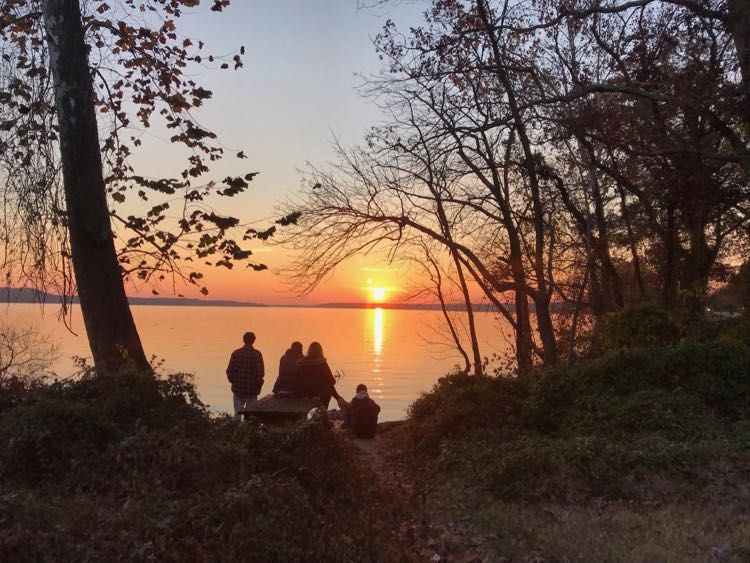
469 314
112 334
695 270
542 298
739 27
611 282
524 343
571 355
438 280
670 280
633 245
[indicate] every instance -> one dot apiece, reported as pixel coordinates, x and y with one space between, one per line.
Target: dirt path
437 535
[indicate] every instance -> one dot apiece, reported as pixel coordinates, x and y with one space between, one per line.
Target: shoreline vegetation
639 453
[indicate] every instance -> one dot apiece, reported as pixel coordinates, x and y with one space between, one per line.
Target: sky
297 91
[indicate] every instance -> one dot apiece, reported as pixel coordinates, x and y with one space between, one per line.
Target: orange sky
296 91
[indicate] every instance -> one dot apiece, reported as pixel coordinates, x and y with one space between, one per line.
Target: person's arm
230 368
332 382
261 371
278 377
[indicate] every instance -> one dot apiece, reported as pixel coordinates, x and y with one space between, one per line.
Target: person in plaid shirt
245 372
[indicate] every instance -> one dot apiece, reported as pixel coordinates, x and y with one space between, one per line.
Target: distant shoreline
30 296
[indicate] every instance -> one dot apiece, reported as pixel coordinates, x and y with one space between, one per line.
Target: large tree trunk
739 26
524 342
111 331
542 298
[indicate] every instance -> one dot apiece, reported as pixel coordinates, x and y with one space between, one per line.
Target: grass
611 531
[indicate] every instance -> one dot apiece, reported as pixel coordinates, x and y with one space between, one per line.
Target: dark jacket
288 382
316 379
363 416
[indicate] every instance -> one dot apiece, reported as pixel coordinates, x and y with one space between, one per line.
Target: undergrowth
648 419
132 467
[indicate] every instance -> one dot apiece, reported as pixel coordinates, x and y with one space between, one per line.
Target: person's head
361 387
315 351
248 338
296 346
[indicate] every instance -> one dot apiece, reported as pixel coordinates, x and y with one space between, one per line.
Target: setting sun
378 294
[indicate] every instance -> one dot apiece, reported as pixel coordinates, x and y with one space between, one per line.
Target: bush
666 389
460 403
50 438
641 325
595 428
133 468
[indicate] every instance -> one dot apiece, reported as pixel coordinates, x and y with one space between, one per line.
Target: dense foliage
637 422
131 468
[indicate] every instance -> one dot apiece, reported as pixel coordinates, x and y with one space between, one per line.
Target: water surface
396 353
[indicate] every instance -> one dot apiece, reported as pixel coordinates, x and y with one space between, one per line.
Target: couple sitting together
310 376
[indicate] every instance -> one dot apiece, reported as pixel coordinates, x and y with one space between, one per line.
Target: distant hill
480 307
27 295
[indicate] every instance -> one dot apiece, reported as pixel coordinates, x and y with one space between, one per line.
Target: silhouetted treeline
590 153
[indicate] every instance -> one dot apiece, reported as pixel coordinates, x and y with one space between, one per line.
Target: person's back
315 376
363 414
289 383
245 372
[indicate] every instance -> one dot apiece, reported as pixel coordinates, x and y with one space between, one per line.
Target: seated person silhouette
289 383
315 376
363 413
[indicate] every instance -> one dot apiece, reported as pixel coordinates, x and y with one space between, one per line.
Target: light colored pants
240 402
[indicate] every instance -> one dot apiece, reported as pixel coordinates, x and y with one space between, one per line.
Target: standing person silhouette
245 372
316 375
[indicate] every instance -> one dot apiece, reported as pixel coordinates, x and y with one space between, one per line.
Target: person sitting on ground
363 413
245 372
316 377
288 383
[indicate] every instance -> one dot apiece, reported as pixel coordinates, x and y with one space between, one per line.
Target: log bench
279 410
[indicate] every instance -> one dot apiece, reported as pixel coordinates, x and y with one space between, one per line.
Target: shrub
50 438
594 428
665 388
641 325
459 403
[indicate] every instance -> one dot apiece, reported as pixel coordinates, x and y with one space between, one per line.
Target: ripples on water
395 353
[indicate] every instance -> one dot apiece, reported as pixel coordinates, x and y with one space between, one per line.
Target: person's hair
248 338
361 387
296 346
315 351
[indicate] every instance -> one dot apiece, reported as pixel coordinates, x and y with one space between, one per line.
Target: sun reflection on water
377 332
377 350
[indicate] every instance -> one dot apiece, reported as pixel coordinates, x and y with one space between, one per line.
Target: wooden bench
275 409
